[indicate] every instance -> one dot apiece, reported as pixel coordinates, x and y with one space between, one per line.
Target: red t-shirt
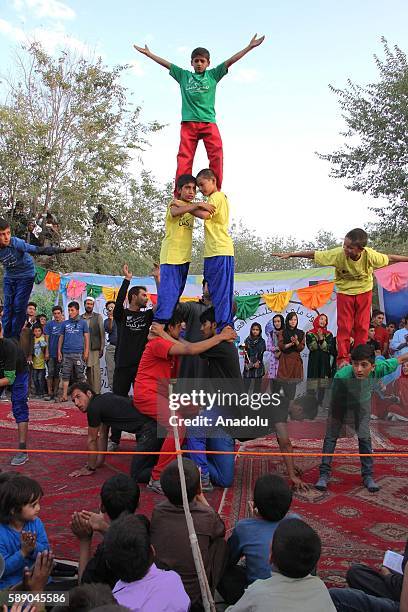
155 370
382 336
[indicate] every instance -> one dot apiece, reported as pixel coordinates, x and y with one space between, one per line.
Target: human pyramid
205 356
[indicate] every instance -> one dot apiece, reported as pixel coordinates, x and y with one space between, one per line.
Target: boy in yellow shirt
175 253
38 358
354 263
218 249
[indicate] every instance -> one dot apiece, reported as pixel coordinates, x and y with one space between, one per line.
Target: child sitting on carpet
296 550
252 537
22 534
169 534
119 494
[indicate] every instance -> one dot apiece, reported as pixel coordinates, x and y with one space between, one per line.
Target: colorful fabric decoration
152 297
52 281
247 305
40 274
110 293
315 296
393 278
63 284
277 302
189 299
93 290
75 289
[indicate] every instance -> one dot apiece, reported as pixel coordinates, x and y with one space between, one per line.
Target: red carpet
354 525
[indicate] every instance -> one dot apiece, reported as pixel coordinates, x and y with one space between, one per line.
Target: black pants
233 584
146 441
123 379
370 581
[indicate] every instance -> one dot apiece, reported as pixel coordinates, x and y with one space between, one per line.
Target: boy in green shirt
352 388
197 110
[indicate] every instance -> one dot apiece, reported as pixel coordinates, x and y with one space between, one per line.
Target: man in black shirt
14 372
133 324
110 410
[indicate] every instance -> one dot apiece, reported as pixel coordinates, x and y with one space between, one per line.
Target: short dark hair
4 224
119 493
88 597
42 314
36 326
185 179
208 315
206 173
127 548
32 304
296 548
81 385
363 352
272 497
110 302
16 493
176 318
55 308
309 405
371 326
73 305
200 51
135 291
377 312
170 481
358 237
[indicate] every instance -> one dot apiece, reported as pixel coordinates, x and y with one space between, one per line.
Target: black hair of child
170 481
272 497
296 548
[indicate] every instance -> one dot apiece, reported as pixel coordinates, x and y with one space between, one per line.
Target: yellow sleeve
327 258
377 260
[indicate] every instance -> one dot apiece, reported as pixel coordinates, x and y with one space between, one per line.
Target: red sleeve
160 347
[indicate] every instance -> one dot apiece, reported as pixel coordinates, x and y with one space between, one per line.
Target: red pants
353 317
161 412
191 132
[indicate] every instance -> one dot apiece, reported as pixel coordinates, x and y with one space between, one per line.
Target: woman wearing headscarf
320 342
291 343
254 349
272 330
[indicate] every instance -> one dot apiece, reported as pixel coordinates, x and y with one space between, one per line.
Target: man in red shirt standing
158 365
382 334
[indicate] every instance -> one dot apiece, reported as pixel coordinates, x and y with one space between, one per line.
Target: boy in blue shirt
73 348
52 331
19 273
252 537
198 100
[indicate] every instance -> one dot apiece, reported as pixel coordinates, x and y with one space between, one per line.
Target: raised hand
228 334
145 50
255 42
281 255
127 273
36 578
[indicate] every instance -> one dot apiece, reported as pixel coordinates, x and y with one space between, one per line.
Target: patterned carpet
354 525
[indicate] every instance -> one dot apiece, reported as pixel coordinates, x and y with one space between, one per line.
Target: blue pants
17 292
352 600
39 381
219 273
172 282
219 467
19 394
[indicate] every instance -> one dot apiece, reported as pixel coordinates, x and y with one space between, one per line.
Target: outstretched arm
304 254
254 42
397 258
159 60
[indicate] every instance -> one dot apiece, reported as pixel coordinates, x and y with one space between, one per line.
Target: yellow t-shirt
178 240
352 277
217 241
40 345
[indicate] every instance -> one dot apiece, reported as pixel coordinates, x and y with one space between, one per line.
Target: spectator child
22 534
39 353
272 330
291 343
382 335
73 348
141 587
42 320
169 534
251 538
255 348
296 549
372 340
52 333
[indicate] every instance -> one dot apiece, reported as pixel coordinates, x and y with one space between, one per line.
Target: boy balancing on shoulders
352 388
354 263
198 99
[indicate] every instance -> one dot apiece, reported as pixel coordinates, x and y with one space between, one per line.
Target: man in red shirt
158 365
382 334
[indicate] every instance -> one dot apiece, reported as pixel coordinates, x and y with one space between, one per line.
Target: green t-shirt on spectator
198 92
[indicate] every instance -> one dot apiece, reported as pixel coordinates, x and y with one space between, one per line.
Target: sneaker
155 486
206 484
112 446
48 398
370 484
19 459
321 484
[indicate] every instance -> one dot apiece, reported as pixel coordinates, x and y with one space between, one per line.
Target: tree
67 136
374 158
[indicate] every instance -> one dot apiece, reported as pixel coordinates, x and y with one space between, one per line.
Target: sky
274 108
